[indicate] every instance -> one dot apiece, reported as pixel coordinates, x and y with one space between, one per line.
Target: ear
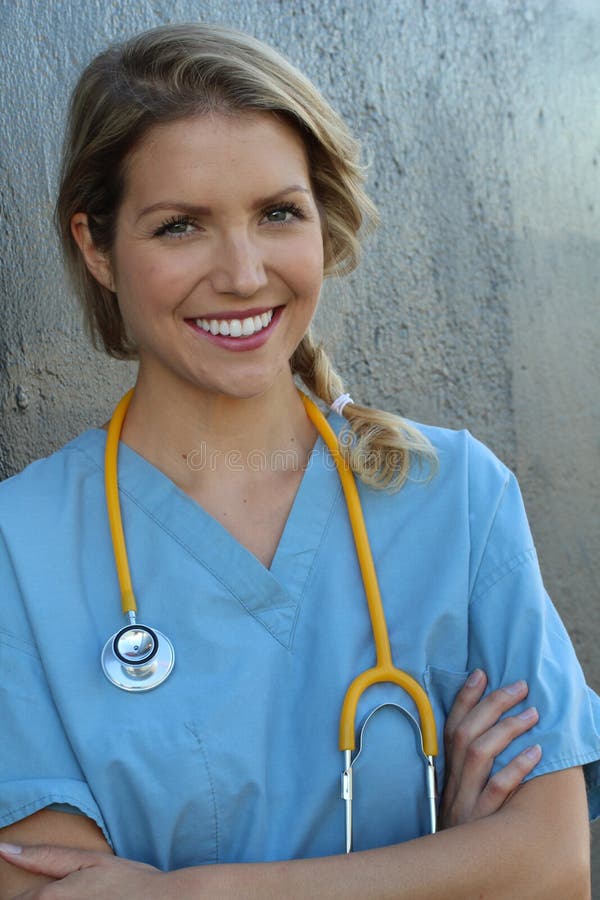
97 261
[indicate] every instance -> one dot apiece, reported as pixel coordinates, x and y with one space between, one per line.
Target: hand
84 873
473 738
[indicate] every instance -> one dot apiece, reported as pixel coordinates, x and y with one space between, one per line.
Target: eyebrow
194 209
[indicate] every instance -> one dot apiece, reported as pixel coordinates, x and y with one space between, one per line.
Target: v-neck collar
272 596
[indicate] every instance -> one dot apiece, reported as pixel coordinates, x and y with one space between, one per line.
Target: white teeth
236 327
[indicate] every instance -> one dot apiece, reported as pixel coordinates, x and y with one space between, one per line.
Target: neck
193 436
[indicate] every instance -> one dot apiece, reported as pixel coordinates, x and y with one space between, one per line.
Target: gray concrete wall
477 303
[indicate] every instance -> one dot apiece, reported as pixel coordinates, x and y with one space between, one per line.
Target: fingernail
528 714
10 848
516 688
474 678
534 752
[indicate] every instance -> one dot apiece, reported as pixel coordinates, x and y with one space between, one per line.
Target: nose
239 266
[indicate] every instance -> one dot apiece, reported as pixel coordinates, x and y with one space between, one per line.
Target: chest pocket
442 687
156 791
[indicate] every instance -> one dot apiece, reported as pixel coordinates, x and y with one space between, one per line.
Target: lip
239 344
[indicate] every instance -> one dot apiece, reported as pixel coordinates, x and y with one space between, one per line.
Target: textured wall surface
477 302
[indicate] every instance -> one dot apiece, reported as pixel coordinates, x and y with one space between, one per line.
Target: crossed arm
501 839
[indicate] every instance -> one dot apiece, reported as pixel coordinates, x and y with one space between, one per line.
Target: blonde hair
171 73
378 446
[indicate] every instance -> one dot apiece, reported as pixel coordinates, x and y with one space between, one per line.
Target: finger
489 745
481 719
56 862
466 699
468 696
505 782
468 787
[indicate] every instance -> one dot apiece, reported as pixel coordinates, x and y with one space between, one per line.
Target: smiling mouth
236 328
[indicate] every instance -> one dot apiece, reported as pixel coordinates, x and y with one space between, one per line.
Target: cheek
307 267
314 278
147 283
139 274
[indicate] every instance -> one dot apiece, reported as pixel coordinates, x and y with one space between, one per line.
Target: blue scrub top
235 756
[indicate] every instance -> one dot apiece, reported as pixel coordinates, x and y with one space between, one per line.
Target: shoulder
42 517
454 502
500 540
476 494
463 458
453 443
41 490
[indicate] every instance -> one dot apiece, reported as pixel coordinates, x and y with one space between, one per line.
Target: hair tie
340 402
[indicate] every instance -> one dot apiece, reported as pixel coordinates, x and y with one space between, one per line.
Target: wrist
217 881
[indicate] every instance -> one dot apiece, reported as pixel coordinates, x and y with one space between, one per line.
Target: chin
257 384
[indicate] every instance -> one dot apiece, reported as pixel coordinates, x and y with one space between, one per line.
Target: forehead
217 150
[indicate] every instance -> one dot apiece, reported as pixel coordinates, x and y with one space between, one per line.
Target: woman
206 190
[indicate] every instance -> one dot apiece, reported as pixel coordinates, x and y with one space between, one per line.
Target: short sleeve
37 765
515 632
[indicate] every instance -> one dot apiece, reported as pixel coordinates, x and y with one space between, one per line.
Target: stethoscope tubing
384 671
111 484
155 665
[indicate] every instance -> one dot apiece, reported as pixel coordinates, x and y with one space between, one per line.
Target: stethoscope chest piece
138 658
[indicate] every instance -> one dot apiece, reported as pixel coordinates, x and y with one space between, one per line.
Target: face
218 257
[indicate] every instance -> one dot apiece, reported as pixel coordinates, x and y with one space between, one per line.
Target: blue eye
284 213
279 215
176 227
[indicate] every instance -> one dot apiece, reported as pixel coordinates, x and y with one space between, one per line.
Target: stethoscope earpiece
138 658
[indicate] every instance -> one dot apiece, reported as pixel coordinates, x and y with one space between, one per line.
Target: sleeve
515 632
37 766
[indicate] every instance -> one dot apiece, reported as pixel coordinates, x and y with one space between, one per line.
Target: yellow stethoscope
138 658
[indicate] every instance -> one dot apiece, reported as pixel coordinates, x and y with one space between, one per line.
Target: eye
176 227
283 213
